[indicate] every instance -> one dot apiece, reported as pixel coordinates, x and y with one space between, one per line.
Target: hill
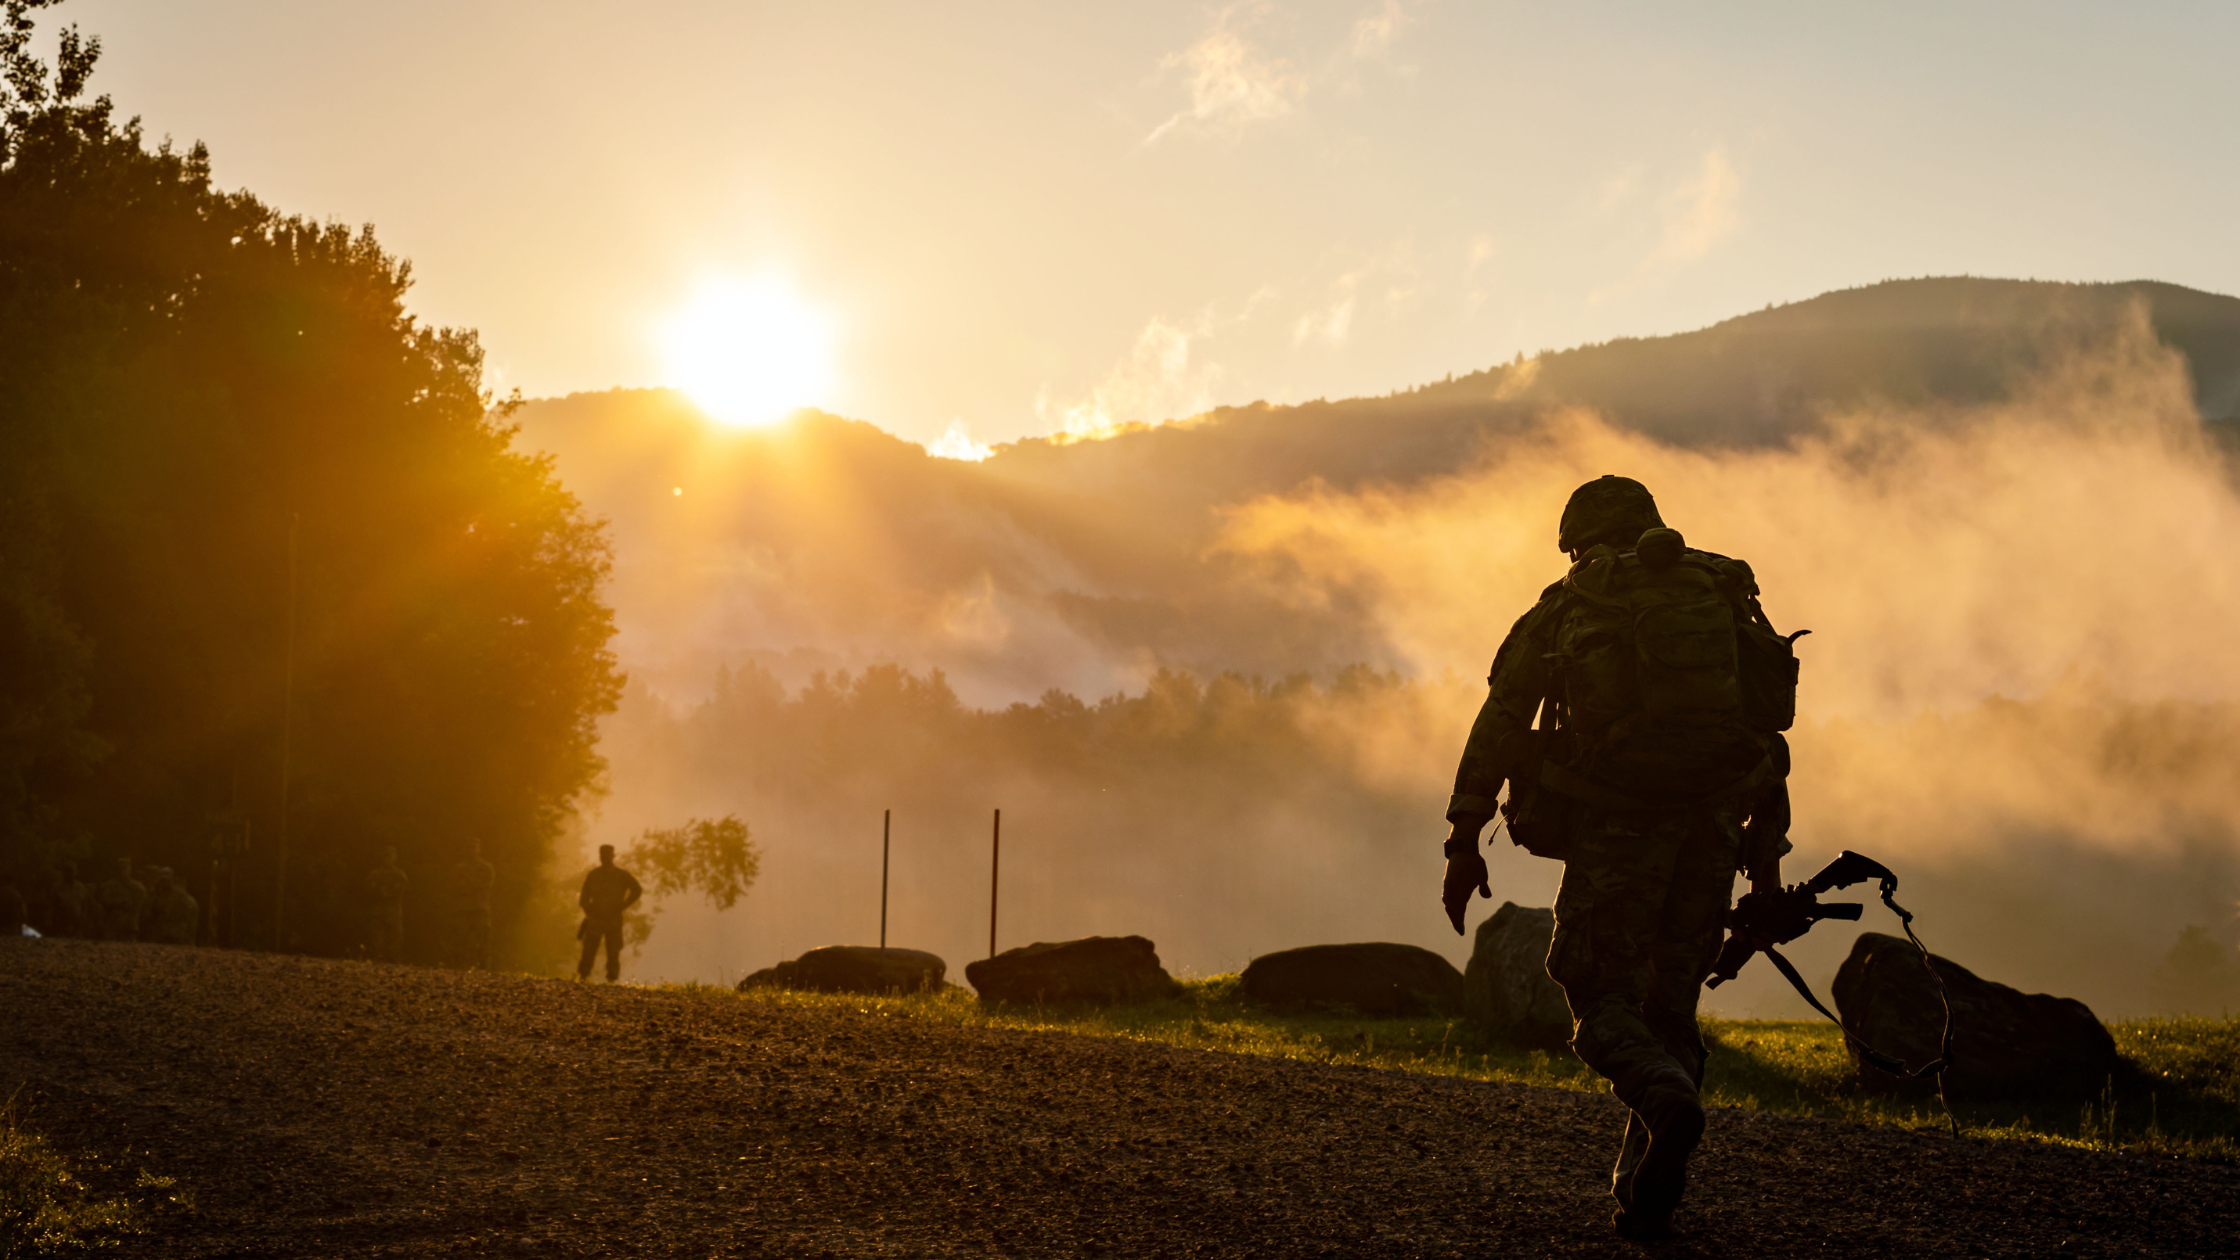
309 1107
827 542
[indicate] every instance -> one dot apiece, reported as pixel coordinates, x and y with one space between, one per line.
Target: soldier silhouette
1656 772
608 890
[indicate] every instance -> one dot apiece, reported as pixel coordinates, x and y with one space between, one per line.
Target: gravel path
342 1109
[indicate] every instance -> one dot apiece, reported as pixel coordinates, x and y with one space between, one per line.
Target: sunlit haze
1324 307
1030 214
748 352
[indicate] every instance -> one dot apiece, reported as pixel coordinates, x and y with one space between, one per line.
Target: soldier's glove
1466 871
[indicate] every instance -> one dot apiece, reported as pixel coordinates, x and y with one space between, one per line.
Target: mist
2017 693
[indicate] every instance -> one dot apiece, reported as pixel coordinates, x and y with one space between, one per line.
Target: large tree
218 422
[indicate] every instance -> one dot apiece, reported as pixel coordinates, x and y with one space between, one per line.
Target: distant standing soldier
471 882
173 915
122 900
1657 771
607 891
385 885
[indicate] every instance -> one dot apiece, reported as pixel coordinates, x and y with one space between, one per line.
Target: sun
748 352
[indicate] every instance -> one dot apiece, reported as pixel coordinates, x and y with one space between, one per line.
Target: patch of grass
47 1209
2177 1093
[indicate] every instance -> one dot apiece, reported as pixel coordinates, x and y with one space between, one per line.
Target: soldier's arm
632 890
583 899
1515 686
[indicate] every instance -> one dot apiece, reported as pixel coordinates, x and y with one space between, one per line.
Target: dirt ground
319 1108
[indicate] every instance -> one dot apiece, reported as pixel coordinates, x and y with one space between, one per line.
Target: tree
717 859
192 383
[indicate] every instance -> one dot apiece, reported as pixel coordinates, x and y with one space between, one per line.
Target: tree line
270 569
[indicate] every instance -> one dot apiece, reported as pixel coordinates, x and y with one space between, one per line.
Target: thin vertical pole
886 848
995 874
287 745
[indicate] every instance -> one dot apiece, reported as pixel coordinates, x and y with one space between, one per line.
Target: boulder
1376 979
1096 970
854 969
1506 989
2006 1043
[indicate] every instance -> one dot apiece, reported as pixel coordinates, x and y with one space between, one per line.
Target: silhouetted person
1661 691
471 882
385 888
607 891
173 914
121 901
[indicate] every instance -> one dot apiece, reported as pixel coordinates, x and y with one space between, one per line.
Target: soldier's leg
1688 937
1610 921
590 951
1608 913
1687 940
613 933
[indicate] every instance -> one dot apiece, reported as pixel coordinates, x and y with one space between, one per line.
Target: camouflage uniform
1646 886
385 888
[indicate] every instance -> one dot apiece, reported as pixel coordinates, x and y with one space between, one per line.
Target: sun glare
748 352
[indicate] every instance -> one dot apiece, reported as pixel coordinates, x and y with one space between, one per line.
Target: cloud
1154 382
1686 223
956 443
1373 35
1700 212
1233 83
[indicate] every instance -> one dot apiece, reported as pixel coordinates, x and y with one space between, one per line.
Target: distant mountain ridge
1753 380
827 542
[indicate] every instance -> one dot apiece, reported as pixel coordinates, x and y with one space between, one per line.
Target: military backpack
1670 683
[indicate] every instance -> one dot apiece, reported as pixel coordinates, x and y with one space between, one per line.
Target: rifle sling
1890 1063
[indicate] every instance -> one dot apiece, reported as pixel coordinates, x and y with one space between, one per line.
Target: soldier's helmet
1613 510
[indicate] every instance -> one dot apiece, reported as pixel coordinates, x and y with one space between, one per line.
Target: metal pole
287 741
886 848
995 873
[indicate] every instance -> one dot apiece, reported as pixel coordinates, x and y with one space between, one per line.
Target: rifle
1760 921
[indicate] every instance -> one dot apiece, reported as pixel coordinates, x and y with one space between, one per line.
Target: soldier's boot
1630 1151
1672 1111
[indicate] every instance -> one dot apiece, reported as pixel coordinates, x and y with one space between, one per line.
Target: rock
854 969
1506 989
2006 1043
1373 979
1096 970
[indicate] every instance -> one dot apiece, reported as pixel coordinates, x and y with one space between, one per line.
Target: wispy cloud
1683 224
1373 35
1700 212
1233 82
1159 379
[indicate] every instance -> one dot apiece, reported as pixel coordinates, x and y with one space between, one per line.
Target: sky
1016 218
